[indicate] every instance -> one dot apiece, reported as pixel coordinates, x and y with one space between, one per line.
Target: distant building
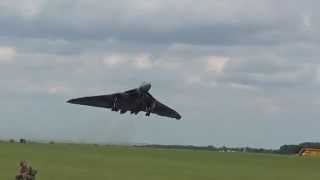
23 141
309 152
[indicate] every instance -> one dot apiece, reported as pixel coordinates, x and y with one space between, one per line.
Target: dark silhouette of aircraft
134 100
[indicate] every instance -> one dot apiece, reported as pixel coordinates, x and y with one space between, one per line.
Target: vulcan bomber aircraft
134 100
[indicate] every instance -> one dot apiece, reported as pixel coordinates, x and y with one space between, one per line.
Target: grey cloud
289 80
159 22
269 73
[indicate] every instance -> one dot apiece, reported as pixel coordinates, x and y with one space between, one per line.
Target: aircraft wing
103 101
163 110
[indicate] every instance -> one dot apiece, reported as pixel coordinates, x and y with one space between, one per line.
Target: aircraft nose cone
148 86
145 87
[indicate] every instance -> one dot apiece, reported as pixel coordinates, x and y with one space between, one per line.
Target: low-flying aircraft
134 100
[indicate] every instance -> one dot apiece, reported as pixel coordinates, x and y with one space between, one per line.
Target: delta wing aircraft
134 100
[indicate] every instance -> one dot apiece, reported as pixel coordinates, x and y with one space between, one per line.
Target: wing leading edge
103 101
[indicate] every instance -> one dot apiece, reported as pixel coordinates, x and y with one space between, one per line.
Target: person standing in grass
24 170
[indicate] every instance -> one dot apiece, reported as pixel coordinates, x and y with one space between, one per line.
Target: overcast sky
241 73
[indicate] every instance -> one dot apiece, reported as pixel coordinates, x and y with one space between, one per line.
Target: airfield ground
90 162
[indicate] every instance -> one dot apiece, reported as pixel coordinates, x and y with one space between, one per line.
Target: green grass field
89 162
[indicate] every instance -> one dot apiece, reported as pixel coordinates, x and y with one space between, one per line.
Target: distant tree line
211 148
284 149
294 149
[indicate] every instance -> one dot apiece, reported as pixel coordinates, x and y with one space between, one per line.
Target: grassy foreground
89 162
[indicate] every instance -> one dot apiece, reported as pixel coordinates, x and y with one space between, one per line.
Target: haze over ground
241 73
